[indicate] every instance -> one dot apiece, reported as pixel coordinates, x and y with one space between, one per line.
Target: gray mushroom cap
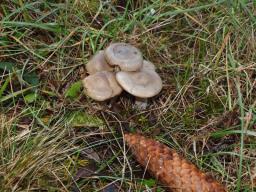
143 84
124 55
147 65
98 63
101 86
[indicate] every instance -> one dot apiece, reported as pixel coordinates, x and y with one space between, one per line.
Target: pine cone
169 168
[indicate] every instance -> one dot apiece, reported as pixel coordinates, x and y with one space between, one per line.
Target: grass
54 138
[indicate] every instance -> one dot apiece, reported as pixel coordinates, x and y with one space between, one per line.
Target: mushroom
147 65
98 63
141 103
142 84
124 55
101 86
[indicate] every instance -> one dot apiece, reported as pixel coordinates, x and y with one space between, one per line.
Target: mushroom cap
147 65
98 63
101 86
142 84
126 56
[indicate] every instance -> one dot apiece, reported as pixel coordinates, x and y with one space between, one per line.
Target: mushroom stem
141 103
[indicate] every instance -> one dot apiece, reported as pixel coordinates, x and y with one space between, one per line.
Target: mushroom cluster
121 67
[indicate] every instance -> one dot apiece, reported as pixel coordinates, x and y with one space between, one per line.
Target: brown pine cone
169 168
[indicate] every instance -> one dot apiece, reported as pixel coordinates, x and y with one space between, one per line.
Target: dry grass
205 53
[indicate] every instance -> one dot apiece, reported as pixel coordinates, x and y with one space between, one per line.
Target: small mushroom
101 86
147 65
124 55
142 84
98 63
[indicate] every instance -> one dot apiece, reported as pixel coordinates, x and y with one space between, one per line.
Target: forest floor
55 138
